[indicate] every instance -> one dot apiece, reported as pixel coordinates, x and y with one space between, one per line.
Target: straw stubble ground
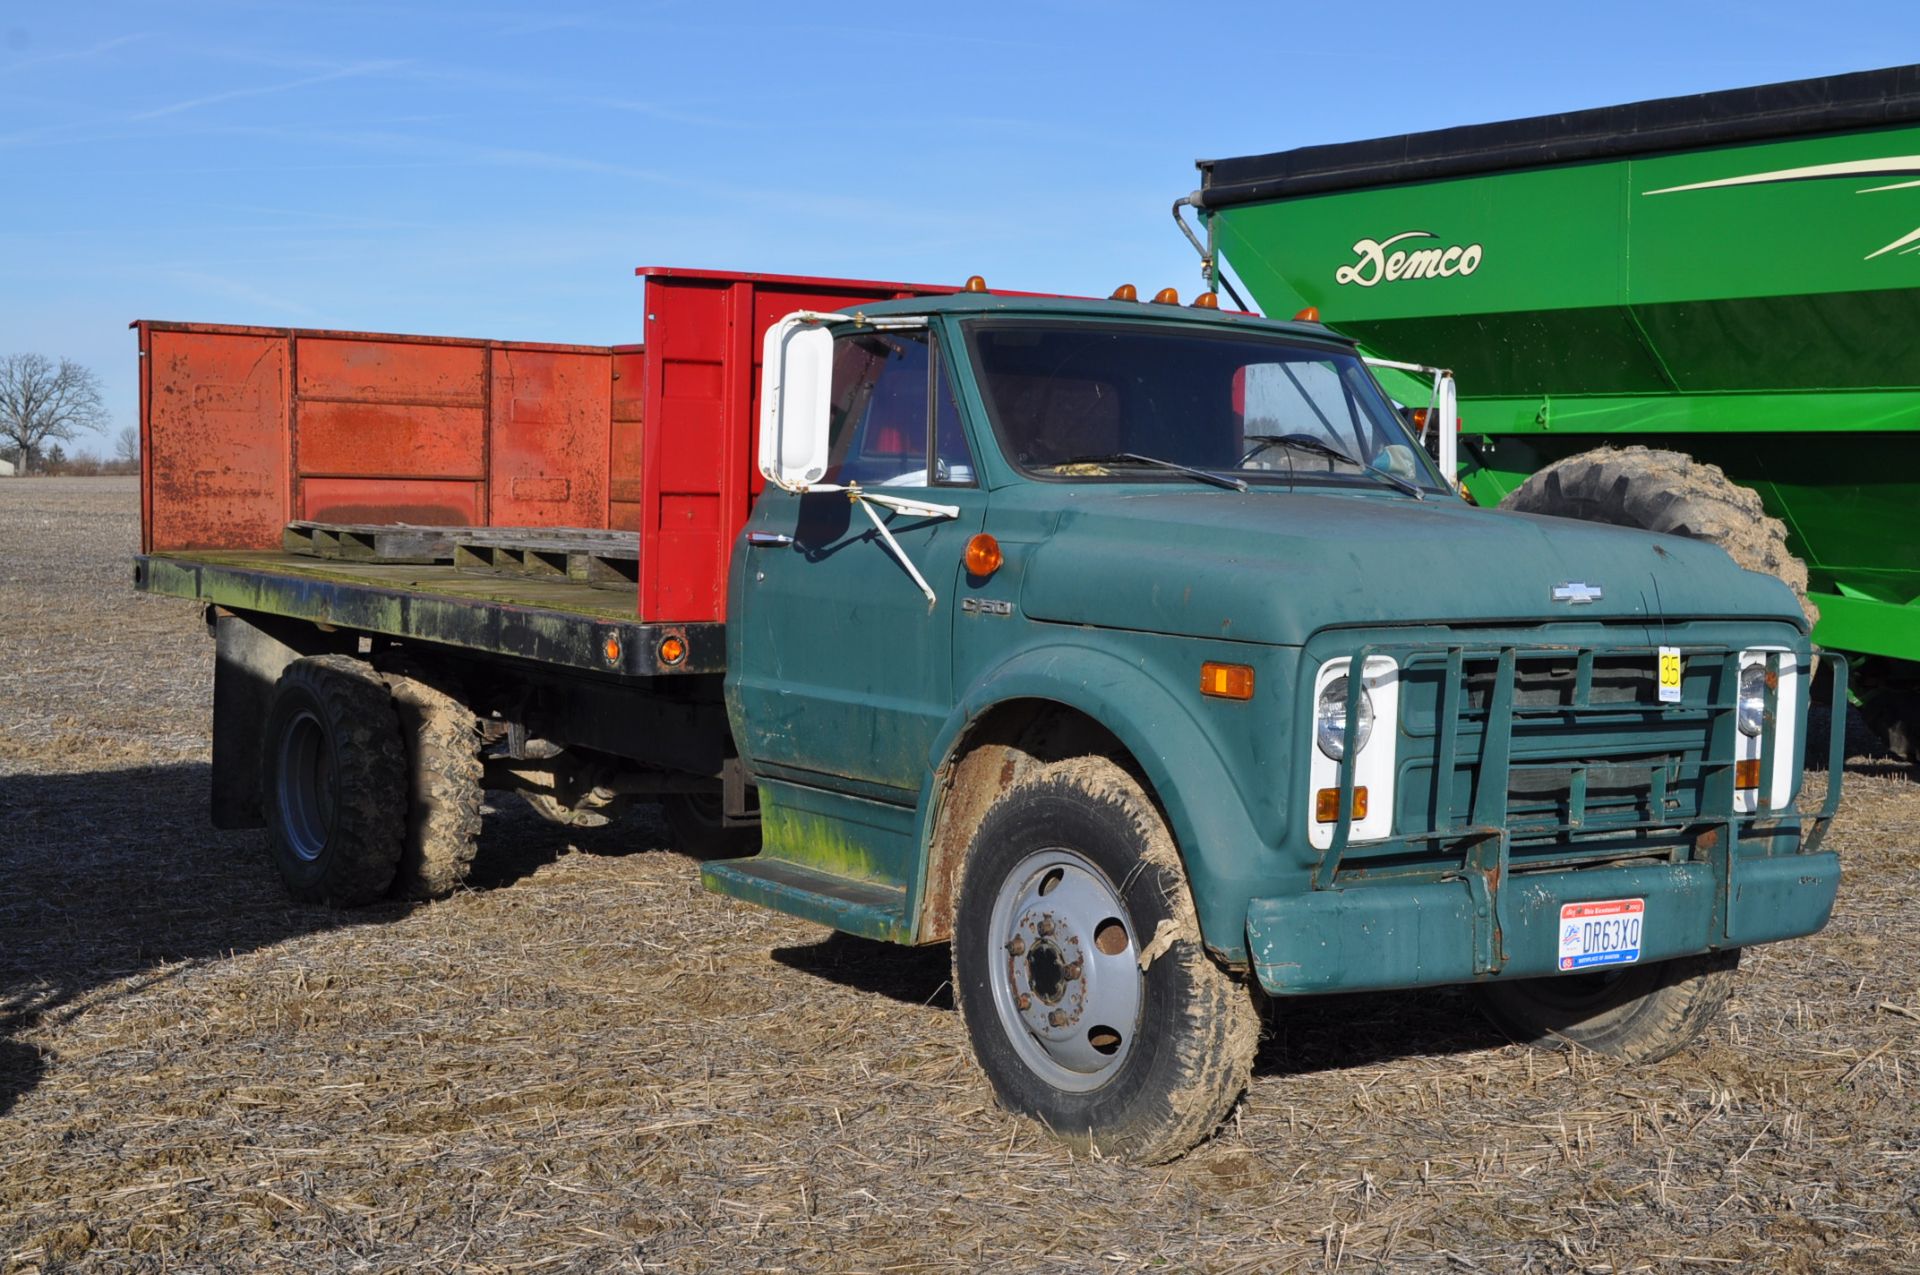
585 1063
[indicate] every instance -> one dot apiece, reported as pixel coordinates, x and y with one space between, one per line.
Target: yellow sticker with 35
1669 675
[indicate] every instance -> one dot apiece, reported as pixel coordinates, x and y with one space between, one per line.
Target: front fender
1179 755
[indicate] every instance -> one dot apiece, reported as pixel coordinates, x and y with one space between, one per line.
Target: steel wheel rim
306 786
1064 966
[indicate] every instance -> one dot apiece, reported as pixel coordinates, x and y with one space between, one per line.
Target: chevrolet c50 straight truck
1138 650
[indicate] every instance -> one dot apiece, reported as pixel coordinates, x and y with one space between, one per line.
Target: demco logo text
1374 264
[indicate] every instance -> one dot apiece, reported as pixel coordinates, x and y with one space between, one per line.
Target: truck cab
1140 648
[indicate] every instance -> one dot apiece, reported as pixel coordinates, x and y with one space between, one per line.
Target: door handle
769 539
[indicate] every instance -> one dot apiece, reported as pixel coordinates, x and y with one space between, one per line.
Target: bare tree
126 444
42 401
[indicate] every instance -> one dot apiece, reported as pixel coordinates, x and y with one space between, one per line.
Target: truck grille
1594 765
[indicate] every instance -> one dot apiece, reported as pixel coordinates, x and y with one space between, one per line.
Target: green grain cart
1694 315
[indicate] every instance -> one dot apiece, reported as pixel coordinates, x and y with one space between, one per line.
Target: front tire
1078 968
333 778
1640 1014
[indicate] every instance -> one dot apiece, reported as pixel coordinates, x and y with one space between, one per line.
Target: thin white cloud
357 70
73 55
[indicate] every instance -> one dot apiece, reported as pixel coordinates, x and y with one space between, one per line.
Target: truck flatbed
559 621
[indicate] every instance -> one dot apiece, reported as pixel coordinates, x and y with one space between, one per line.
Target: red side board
246 429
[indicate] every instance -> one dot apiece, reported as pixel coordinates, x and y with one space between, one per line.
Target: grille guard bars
1483 840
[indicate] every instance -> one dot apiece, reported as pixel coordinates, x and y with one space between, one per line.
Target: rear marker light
1326 805
673 649
1226 681
610 649
976 284
1167 296
1310 314
1206 301
1125 292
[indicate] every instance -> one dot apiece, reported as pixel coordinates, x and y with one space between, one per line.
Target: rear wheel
1641 1013
1667 492
1078 968
442 739
333 778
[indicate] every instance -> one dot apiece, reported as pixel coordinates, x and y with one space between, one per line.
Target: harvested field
585 1063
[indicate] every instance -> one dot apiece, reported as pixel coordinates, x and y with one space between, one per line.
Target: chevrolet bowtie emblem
1577 594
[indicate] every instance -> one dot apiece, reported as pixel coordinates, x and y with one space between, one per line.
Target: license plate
1669 675
1602 933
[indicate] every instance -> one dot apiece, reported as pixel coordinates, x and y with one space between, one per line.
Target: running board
866 908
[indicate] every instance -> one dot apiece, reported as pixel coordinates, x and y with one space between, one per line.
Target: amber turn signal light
673 649
610 649
1326 805
1226 681
1206 301
1309 315
983 555
976 284
1125 292
1167 296
1746 774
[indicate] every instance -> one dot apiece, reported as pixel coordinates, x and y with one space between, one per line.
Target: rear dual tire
370 783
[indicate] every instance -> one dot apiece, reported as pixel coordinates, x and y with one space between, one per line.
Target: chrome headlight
1330 719
1753 699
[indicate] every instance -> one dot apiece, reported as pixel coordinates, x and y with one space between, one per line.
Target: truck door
842 668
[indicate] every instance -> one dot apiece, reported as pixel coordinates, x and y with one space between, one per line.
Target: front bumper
1381 936
1714 879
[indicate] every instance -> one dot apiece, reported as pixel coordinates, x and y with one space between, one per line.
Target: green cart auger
1694 315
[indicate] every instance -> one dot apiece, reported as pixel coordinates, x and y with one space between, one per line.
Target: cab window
894 421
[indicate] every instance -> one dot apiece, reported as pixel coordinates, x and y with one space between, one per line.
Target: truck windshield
1078 399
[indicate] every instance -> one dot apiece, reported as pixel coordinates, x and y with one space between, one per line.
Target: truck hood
1278 566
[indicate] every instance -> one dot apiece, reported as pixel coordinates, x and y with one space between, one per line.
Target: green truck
1692 315
1135 649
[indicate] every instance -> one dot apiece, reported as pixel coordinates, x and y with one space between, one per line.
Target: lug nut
1072 971
1058 1018
1016 947
1046 925
1023 1001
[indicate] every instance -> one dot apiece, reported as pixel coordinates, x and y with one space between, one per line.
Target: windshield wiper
1313 444
1135 458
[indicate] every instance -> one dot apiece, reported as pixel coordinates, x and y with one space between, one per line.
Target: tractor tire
333 779
1078 968
444 791
1667 492
1639 1014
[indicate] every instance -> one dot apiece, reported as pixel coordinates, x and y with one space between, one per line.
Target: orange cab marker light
1125 292
611 649
673 649
1167 296
976 284
983 555
1206 301
1226 681
1309 315
1326 804
1746 774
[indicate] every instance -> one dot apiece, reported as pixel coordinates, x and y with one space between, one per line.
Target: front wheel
1092 1006
1639 1014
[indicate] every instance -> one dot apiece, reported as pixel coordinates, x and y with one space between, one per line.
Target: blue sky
491 169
